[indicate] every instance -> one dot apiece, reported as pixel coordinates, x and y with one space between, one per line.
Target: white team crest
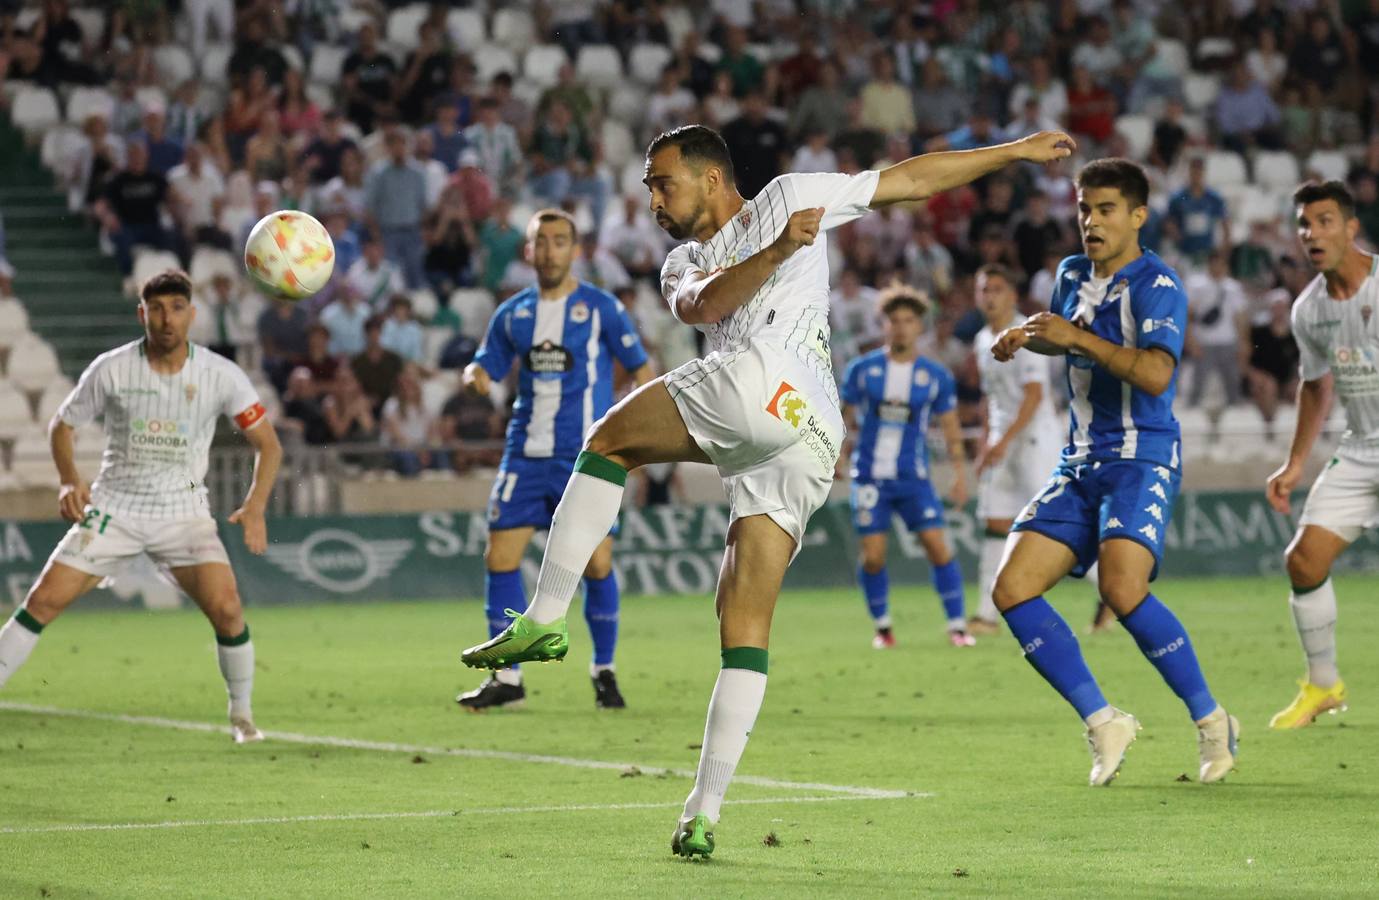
922 377
1150 532
190 391
1157 490
339 561
522 313
1164 281
1113 522
874 371
579 313
1154 510
746 218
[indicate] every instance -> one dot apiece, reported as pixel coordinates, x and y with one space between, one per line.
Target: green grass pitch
991 763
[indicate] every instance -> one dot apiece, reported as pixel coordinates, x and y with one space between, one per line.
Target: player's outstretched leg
1032 565
601 602
1124 582
754 563
875 580
503 591
644 428
212 586
57 587
1313 602
946 576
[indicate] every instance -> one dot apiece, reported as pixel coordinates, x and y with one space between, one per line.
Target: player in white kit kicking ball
1336 323
762 407
1024 440
160 397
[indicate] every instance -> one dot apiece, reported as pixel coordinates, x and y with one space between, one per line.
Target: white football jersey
1003 383
158 428
791 308
1342 337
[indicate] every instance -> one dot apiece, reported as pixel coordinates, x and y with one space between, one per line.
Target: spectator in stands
91 161
267 195
131 208
570 92
1246 115
720 107
185 118
409 430
467 419
1252 261
853 318
1272 372
1098 54
496 144
996 211
670 104
1219 339
562 162
376 366
1319 56
426 74
1265 63
254 51
433 170
823 104
1366 189
635 239
815 155
303 408
348 250
196 190
1169 135
1042 87
244 109
395 197
348 411
298 114
164 152
367 81
218 324
981 130
745 70
598 266
1197 215
696 70
325 154
1037 234
401 331
451 243
512 109
757 144
928 263
501 242
318 360
1091 107
886 103
373 277
1030 121
265 155
282 339
345 318
447 137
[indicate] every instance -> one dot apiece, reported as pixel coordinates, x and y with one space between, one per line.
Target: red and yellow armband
250 417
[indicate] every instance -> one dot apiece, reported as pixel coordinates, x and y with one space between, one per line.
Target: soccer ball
289 255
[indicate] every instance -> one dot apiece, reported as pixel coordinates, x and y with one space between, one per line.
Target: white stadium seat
1200 91
466 28
327 60
16 416
618 144
1277 170
647 60
490 59
174 64
627 102
32 364
513 28
148 263
542 63
424 304
474 306
630 178
86 101
35 110
207 262
1213 51
433 339
14 322
151 97
435 391
58 144
599 65
1171 55
1225 168
293 56
31 461
404 23
1138 132
215 63
54 392
1328 164
92 22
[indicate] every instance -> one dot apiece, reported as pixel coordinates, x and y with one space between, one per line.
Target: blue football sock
503 591
948 583
601 602
1052 649
876 588
1164 642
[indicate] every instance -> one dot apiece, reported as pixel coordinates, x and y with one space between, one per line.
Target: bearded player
1337 329
1118 315
159 397
762 407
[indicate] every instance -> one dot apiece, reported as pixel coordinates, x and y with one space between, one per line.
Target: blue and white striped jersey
1142 306
566 348
894 400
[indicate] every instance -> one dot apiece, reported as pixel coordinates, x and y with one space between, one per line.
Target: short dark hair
1001 271
1121 174
373 323
169 281
504 78
699 146
903 296
1315 192
551 214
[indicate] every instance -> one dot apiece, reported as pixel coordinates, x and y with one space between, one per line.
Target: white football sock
1093 577
237 668
587 512
16 643
988 564
1315 615
732 712
512 676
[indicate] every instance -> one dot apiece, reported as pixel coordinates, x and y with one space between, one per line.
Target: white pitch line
368 817
508 755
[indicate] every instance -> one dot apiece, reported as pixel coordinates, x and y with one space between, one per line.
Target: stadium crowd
423 136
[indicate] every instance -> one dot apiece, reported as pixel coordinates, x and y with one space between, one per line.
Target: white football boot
1108 743
242 731
1216 743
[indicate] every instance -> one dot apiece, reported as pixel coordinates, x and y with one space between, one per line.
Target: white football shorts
1003 490
101 545
770 427
1345 498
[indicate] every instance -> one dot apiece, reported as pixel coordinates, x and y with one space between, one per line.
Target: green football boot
522 641
693 837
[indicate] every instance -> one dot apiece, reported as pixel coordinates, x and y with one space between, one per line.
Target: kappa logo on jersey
787 405
340 561
579 313
1157 490
549 359
1150 532
1164 281
1156 511
1113 522
1163 473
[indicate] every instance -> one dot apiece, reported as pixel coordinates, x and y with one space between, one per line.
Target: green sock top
752 658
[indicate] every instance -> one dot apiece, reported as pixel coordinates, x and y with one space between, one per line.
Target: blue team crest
579 313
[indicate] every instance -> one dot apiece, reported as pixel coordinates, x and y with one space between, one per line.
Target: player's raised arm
1149 369
268 456
931 173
